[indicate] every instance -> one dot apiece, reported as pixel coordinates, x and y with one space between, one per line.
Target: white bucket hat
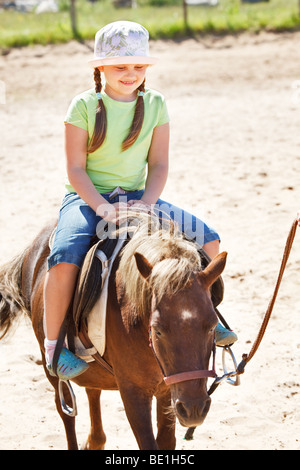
122 42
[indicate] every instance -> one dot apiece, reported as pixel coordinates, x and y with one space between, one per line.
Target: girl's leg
58 292
76 225
212 248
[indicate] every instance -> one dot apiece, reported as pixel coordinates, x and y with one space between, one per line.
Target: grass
162 20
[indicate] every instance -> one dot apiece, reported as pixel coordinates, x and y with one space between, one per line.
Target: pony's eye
158 333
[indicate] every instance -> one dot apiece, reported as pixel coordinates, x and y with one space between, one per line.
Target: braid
97 80
101 121
137 122
142 86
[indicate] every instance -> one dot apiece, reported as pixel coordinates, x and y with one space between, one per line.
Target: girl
112 134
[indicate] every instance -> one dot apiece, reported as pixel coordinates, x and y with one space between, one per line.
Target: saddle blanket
96 320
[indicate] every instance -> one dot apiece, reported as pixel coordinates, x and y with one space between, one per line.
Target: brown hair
101 120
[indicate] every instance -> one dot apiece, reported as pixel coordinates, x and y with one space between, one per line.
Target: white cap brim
120 60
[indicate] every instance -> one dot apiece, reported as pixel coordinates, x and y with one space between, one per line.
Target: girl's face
122 81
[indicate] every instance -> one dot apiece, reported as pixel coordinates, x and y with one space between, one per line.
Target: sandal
224 337
69 366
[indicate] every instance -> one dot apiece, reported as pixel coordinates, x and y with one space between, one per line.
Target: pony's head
165 282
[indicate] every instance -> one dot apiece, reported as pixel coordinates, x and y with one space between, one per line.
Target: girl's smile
122 81
127 83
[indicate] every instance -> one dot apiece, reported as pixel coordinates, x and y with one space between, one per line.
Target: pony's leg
165 423
138 408
69 421
96 439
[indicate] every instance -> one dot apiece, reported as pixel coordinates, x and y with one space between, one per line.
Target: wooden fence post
185 18
73 18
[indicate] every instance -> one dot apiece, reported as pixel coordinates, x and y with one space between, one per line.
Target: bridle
230 377
183 376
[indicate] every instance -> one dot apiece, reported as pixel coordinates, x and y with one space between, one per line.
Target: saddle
91 279
84 324
90 297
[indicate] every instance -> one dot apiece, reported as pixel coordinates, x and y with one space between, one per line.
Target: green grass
162 21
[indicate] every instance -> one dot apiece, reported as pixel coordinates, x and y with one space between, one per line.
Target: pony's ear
215 268
143 265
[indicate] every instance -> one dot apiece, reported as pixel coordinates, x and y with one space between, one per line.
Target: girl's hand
121 210
112 212
139 205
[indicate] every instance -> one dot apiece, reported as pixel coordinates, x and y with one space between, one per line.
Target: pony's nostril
192 413
181 410
206 406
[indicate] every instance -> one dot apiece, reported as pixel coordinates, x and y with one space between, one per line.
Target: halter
183 376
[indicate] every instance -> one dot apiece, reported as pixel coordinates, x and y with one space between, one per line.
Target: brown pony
156 288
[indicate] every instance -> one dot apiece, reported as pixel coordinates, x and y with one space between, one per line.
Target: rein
288 246
239 369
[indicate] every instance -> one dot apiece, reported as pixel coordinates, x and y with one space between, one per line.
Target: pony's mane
172 256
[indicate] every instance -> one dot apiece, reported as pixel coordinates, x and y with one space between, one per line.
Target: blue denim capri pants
77 224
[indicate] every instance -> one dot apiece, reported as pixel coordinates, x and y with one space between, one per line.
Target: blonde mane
173 258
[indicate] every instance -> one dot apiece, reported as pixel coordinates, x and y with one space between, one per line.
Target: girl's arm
158 164
75 149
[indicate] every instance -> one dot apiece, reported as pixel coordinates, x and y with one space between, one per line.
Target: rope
247 357
288 246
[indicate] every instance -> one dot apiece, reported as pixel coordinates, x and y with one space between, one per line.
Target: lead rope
247 357
288 246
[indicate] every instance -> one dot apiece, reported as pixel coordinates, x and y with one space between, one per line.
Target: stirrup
65 408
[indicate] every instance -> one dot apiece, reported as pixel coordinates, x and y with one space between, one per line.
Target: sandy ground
235 160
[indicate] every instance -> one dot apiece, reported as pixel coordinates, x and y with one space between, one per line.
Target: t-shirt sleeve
77 114
163 115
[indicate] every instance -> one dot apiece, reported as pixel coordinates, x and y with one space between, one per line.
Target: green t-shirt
109 166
